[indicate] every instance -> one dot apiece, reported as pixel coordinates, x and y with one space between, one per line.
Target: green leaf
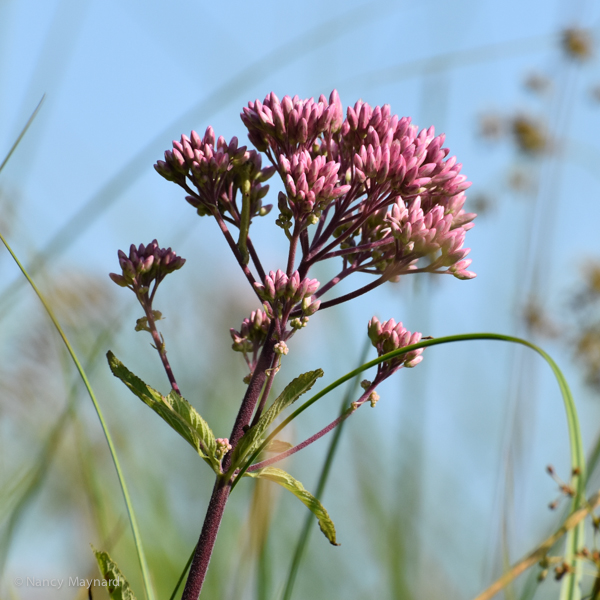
293 485
117 586
291 393
173 409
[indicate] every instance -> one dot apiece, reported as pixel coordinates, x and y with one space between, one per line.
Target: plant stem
206 543
265 362
304 444
265 394
222 488
160 346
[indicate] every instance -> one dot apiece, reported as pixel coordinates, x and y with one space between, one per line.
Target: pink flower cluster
389 336
291 124
145 265
383 194
214 168
279 285
252 333
354 169
311 183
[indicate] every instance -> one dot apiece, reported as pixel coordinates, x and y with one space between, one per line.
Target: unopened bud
281 348
310 306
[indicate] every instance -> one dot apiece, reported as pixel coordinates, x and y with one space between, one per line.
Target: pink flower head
252 334
291 124
389 336
146 265
215 169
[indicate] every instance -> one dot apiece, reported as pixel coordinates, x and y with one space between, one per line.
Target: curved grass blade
113 452
575 537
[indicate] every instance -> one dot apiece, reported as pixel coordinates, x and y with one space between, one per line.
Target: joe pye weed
368 192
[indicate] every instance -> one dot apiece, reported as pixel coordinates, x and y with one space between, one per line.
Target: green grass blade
23 132
181 577
136 535
323 477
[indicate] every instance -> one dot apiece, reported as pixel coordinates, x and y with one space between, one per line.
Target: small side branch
160 346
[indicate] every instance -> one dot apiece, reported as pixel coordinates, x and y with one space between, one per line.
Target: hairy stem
222 488
266 361
265 395
206 543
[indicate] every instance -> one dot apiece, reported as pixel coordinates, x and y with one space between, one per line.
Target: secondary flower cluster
217 171
395 240
280 291
144 266
251 337
389 336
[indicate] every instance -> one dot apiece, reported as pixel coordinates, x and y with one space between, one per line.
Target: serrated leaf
277 446
174 409
293 485
117 586
291 393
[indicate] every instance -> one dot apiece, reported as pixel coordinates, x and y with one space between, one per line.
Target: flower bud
281 348
310 305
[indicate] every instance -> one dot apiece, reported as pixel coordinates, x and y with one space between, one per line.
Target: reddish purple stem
160 346
308 442
206 543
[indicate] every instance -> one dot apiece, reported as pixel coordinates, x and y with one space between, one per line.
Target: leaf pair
173 409
186 421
